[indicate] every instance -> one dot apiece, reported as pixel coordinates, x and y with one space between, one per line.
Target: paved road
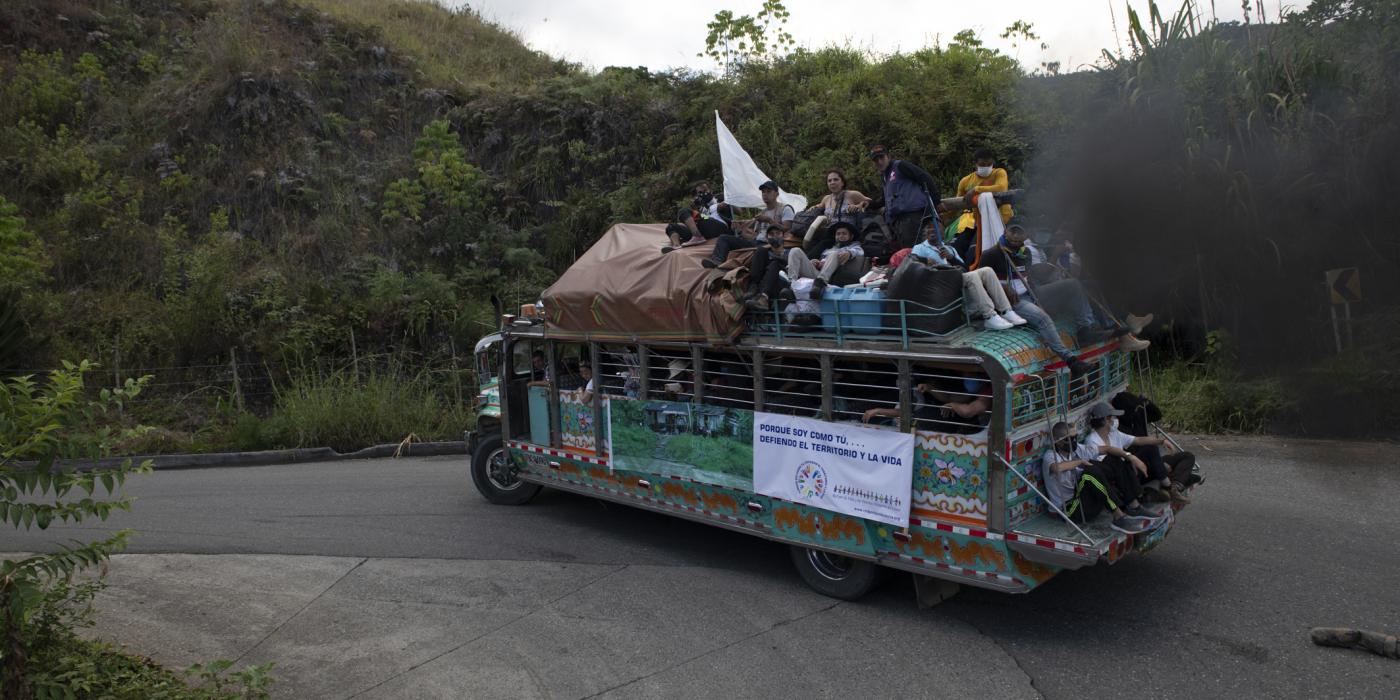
394 579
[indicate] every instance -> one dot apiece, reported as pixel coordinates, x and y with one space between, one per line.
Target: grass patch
1201 398
347 411
453 47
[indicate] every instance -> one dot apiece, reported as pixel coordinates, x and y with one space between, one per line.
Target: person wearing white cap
1082 484
1107 439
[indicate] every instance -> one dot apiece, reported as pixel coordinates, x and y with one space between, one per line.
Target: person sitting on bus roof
982 292
846 255
839 204
1107 439
706 218
1052 260
765 281
776 217
1081 484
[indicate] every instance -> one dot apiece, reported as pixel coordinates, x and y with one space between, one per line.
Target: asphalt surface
393 578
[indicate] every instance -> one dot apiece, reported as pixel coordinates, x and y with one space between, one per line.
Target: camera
702 200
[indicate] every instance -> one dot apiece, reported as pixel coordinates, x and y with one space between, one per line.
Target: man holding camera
707 218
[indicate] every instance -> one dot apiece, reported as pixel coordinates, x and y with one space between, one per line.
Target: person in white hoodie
982 292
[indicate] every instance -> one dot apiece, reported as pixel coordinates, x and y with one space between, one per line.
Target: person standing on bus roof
1082 484
908 196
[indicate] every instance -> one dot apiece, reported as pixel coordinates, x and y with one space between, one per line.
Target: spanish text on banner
848 469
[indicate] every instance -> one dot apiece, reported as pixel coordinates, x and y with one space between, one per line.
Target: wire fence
254 385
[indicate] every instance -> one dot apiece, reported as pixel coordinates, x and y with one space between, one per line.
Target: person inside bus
1081 483
1107 439
964 411
845 256
839 204
707 218
540 375
585 394
982 293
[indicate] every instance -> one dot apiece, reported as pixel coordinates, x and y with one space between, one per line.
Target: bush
346 411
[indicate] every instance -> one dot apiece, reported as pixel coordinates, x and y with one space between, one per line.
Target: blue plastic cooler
859 307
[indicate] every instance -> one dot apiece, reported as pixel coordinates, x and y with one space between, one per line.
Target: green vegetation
44 598
724 455
319 178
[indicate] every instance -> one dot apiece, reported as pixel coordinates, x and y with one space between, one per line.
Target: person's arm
1146 441
999 182
1061 467
919 175
873 413
855 201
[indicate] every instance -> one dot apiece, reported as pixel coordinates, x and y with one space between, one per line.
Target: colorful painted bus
778 433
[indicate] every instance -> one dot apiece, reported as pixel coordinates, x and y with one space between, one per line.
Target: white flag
742 177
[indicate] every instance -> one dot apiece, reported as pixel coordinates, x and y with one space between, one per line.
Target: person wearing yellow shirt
986 178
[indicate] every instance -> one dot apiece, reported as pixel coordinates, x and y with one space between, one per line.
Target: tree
41 421
732 41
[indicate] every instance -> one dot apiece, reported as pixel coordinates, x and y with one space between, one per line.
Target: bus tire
495 477
834 575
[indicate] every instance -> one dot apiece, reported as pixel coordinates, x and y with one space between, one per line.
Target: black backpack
802 221
875 242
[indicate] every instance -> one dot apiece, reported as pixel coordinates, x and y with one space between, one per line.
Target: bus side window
620 367
728 379
568 359
792 384
951 399
670 376
865 391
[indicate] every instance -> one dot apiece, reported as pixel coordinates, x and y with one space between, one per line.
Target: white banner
742 176
849 469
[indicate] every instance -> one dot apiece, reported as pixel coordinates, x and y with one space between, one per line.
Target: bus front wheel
835 575
497 477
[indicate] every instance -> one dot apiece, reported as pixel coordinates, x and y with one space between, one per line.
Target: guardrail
876 320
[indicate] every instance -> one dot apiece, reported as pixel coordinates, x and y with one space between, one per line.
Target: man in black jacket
906 193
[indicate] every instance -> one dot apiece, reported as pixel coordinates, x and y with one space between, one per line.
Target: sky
663 34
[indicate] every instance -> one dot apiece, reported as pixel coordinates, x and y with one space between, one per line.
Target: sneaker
786 294
1137 323
1131 526
996 323
1013 318
668 248
1134 344
1078 367
818 286
1090 336
1194 479
1140 512
709 263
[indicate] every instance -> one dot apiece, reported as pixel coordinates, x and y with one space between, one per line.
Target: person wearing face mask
1107 439
1082 484
986 178
846 255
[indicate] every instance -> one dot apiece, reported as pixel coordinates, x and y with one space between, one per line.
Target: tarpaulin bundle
625 289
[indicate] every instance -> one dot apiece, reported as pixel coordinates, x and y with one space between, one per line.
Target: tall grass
345 410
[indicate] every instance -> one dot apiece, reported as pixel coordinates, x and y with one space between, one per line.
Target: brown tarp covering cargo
624 288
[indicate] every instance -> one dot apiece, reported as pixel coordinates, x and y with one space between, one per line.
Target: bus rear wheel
835 575
497 477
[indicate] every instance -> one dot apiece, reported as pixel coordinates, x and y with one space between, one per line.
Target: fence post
354 356
237 389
